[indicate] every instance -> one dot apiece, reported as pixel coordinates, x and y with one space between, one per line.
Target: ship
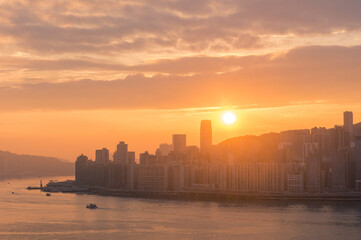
35 188
91 206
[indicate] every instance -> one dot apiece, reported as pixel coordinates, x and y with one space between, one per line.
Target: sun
228 118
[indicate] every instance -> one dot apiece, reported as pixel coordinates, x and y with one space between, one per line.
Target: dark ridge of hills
20 166
259 148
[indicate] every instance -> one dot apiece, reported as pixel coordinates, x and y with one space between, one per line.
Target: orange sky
80 75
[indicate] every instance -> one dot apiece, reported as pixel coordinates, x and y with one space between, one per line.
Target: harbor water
30 214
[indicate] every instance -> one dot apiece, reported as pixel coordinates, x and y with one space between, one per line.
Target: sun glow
228 118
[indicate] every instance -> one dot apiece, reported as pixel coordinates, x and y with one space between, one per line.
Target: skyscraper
358 162
121 156
130 158
164 149
206 137
81 163
348 125
179 143
102 156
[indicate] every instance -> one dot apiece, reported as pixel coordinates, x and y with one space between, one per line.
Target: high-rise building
164 149
130 158
338 139
81 163
206 137
152 178
147 159
358 163
179 143
340 169
294 141
121 155
348 125
102 156
312 167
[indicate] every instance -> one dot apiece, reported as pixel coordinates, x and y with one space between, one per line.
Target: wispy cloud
302 76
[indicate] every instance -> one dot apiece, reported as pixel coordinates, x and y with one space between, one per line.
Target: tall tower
206 137
121 156
179 143
348 125
102 156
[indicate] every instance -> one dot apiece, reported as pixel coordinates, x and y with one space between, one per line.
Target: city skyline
180 119
179 142
194 139
305 161
79 75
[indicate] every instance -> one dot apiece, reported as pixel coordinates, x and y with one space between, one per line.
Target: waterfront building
81 164
295 182
348 125
313 173
121 153
206 137
152 178
340 167
132 177
176 178
312 167
102 156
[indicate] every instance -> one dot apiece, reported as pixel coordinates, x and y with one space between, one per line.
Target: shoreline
208 195
226 197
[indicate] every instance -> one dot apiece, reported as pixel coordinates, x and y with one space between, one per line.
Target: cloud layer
303 74
159 27
177 53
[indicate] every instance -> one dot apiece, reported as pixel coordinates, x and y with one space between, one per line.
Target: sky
77 75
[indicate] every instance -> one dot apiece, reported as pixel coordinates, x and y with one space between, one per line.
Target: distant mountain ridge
259 148
18 166
262 148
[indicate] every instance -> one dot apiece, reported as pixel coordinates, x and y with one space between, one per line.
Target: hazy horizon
180 119
112 146
82 75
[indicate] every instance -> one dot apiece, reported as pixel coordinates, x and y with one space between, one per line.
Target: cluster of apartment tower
315 160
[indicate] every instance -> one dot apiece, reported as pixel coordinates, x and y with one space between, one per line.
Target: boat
48 194
92 206
35 188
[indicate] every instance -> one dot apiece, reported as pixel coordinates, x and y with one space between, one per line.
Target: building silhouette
102 156
121 153
179 143
358 163
206 137
316 160
348 125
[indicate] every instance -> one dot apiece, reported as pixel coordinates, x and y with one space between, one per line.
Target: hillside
258 148
18 166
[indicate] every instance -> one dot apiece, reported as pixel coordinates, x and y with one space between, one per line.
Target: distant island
21 166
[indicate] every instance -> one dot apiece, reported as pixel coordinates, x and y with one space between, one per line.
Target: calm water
32 215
